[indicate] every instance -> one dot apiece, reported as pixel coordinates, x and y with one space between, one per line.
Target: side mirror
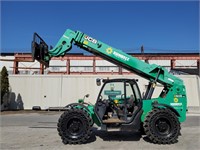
82 100
98 82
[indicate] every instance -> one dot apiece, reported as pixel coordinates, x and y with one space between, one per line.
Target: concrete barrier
47 91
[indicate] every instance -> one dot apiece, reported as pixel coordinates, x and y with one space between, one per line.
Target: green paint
92 114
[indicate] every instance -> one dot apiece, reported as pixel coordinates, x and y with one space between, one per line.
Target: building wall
79 66
59 90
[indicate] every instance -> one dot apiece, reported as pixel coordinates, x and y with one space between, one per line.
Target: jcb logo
90 39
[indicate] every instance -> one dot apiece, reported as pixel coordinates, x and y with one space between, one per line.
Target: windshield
116 91
113 90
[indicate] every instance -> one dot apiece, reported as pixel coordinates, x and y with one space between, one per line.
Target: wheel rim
74 127
163 126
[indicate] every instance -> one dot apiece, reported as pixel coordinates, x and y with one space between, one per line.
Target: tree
4 83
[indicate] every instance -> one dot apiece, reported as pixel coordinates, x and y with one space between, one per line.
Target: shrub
4 83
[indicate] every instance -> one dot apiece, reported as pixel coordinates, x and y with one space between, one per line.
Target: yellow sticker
109 50
176 100
116 101
85 42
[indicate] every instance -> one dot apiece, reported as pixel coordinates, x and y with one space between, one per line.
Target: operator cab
118 102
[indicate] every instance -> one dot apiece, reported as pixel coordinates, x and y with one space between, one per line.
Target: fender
76 104
156 105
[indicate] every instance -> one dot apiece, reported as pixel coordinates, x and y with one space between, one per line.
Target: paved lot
33 130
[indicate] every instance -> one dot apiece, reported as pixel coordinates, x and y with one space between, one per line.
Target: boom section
113 55
120 58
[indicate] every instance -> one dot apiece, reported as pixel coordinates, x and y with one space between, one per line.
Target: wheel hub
74 126
163 126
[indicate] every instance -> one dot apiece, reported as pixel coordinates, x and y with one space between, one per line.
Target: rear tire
162 126
74 126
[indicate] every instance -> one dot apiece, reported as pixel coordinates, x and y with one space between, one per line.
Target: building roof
82 54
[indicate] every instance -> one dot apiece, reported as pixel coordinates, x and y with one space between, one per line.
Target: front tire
162 126
74 126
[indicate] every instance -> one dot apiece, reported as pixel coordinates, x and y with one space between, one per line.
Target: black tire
74 126
162 126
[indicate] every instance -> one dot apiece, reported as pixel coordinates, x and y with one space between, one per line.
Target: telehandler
119 105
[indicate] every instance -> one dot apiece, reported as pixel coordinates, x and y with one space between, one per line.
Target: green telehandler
119 105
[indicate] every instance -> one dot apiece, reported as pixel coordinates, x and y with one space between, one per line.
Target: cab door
116 101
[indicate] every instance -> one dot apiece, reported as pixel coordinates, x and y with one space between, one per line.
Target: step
113 120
